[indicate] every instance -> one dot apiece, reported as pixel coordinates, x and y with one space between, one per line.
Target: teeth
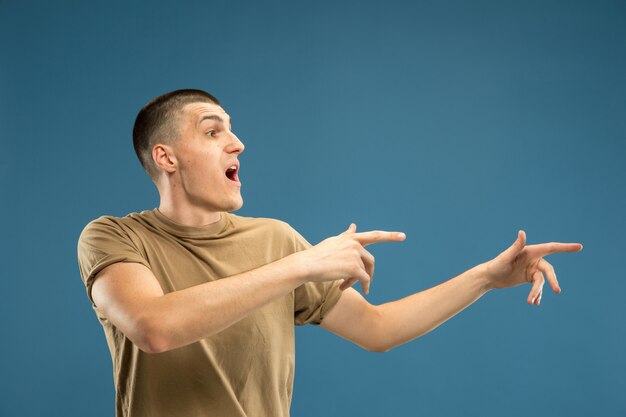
233 167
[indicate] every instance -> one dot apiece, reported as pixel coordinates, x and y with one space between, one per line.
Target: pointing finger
544 249
376 236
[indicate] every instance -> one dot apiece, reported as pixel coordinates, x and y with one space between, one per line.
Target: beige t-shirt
244 370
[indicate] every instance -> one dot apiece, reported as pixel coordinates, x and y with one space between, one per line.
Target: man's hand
520 264
344 257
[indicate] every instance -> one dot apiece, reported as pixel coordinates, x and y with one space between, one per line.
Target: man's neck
188 216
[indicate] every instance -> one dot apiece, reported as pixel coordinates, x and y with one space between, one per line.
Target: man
198 304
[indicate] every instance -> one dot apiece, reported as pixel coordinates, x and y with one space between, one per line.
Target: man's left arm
381 328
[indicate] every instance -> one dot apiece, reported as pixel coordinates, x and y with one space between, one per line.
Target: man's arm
380 328
130 297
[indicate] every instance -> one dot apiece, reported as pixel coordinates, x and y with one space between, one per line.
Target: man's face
205 151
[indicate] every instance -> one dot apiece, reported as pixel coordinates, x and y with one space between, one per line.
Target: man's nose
236 145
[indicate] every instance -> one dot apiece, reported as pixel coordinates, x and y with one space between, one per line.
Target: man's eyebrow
214 117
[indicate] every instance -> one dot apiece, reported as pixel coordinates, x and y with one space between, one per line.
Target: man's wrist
481 275
296 269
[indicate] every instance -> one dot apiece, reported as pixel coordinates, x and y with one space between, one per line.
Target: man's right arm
130 297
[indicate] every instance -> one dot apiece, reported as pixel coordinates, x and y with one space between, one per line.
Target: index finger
554 247
376 236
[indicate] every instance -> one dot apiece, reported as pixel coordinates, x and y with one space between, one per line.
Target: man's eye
211 133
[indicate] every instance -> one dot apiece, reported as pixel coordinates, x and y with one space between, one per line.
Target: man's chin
235 206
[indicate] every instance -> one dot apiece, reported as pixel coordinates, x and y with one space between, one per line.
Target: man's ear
164 158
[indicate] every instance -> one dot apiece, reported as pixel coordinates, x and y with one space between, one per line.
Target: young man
198 304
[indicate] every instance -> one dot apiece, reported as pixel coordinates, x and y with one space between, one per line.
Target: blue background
456 122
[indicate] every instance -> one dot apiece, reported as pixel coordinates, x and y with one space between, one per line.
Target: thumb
518 245
351 229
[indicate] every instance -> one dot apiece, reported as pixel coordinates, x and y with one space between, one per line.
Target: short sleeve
104 242
313 300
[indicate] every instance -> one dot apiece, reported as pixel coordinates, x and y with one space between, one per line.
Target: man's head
159 122
185 143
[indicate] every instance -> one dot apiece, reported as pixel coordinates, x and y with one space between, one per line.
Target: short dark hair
157 122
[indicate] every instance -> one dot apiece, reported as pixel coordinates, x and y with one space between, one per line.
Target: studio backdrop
457 122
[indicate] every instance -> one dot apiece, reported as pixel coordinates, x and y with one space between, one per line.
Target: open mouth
231 173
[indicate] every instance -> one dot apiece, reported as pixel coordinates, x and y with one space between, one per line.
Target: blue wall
457 122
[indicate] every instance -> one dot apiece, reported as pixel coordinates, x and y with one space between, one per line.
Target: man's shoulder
257 221
267 223
146 222
111 222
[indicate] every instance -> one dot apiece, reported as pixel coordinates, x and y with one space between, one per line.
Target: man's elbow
379 348
378 339
386 346
149 335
